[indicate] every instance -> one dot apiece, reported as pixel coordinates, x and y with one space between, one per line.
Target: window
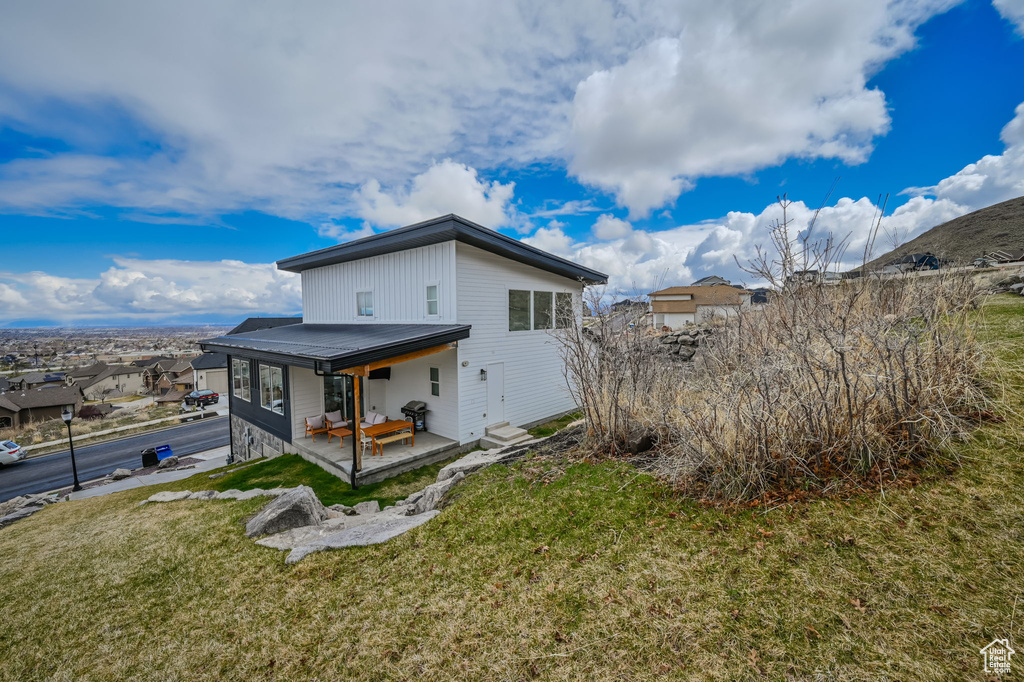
543 315
432 308
564 313
240 378
518 310
272 388
364 304
435 381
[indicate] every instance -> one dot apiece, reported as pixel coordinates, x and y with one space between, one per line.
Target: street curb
114 440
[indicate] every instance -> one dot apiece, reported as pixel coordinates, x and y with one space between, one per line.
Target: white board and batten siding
398 282
411 381
306 392
534 379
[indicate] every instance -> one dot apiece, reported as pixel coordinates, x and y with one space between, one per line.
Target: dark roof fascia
443 229
241 347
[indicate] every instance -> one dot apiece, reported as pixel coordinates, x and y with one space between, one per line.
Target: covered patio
397 458
361 374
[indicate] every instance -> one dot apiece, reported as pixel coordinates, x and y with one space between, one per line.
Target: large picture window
364 304
240 378
272 388
564 312
543 313
518 310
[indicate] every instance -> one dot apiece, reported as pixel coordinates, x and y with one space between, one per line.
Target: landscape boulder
168 462
169 496
120 473
368 507
367 534
343 509
428 498
474 461
203 495
297 507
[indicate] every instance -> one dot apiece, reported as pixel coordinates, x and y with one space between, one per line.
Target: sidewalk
212 459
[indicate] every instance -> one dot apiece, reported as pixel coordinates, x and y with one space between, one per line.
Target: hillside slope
963 239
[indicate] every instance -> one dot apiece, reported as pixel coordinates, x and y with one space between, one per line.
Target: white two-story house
444 312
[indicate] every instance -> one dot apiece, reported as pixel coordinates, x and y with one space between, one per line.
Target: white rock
368 507
296 508
432 494
120 473
203 495
228 494
371 533
474 461
169 496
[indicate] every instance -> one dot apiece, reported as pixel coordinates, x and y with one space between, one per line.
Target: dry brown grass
548 570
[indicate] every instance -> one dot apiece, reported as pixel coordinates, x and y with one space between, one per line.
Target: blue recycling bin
163 452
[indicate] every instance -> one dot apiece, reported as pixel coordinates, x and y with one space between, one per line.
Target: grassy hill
542 571
965 238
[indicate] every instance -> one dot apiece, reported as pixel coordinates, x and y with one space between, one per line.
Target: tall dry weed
826 385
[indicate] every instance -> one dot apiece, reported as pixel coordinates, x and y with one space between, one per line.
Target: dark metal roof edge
460 230
345 360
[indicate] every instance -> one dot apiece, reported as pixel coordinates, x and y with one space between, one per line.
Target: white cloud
740 87
152 290
1012 11
214 107
610 227
446 187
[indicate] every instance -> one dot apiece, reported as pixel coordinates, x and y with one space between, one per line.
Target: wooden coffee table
340 433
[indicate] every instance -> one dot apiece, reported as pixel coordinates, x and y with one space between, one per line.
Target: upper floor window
240 378
543 313
518 310
364 303
564 312
539 310
432 299
272 388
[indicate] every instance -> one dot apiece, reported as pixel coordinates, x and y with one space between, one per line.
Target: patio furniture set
376 430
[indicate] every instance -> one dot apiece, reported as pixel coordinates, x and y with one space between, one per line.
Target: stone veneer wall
249 441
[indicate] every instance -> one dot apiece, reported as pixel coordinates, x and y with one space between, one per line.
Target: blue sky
156 161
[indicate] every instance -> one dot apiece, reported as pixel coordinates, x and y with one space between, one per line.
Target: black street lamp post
66 415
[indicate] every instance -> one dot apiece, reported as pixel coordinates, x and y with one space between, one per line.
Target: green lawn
288 471
551 427
543 570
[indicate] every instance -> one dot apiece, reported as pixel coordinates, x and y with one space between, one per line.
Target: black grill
416 412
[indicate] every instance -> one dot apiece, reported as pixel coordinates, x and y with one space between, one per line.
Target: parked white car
10 452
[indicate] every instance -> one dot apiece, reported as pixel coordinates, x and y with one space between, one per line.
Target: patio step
502 435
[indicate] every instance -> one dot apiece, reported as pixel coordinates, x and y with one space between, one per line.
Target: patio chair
315 425
334 420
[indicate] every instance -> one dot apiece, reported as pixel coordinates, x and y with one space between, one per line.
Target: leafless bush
830 383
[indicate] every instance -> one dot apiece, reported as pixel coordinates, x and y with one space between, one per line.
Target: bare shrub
831 382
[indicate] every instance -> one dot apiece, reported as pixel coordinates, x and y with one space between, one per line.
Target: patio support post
355 430
355 425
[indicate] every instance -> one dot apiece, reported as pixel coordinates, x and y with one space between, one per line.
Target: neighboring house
152 373
101 380
710 281
814 276
21 407
676 307
211 372
999 257
446 312
178 376
148 362
4 384
37 380
911 262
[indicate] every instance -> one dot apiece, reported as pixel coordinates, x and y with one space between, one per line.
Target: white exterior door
495 393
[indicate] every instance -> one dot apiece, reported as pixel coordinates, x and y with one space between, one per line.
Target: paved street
53 471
